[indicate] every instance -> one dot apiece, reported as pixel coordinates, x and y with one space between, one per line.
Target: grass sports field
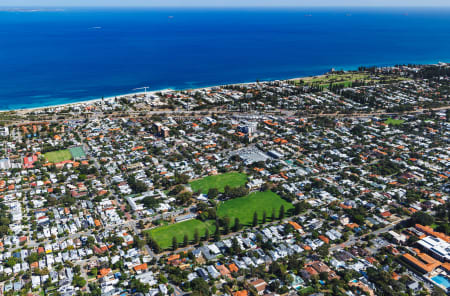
164 234
391 121
58 156
219 181
244 207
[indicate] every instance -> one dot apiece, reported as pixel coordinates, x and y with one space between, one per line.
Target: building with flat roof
4 131
436 248
251 155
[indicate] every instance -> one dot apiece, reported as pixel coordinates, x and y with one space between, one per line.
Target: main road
183 113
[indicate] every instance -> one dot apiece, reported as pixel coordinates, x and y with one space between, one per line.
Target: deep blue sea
54 57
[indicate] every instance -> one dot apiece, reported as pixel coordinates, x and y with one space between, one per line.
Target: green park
391 121
232 179
242 208
163 235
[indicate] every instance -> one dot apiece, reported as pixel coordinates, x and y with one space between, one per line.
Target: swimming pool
441 280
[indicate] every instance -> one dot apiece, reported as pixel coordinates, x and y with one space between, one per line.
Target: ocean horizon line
328 7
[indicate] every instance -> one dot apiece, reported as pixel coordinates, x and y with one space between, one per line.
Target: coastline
150 92
84 102
112 97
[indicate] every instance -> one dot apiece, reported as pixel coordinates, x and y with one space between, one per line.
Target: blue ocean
62 56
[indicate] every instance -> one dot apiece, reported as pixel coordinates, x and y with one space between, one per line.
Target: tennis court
77 152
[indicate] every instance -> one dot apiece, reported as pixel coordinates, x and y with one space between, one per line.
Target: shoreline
85 102
150 92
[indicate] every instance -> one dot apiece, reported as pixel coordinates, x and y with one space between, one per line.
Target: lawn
306 291
344 79
219 181
58 156
244 207
391 121
341 79
163 235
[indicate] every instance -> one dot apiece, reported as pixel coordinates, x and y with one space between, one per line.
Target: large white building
4 131
436 247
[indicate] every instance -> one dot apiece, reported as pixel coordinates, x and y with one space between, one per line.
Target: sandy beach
84 103
110 98
152 92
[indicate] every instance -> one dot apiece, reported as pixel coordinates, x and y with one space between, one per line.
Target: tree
150 202
12 261
200 287
196 236
357 130
300 207
207 234
227 190
136 185
421 218
139 242
213 192
235 192
94 271
177 189
323 276
217 233
237 225
226 225
184 198
438 292
323 250
264 217
185 240
32 258
95 290
281 214
181 178
78 281
162 279
444 227
156 247
90 240
265 186
118 240
255 219
235 248
273 215
174 243
138 286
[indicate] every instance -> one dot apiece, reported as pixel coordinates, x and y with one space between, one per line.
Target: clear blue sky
222 3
